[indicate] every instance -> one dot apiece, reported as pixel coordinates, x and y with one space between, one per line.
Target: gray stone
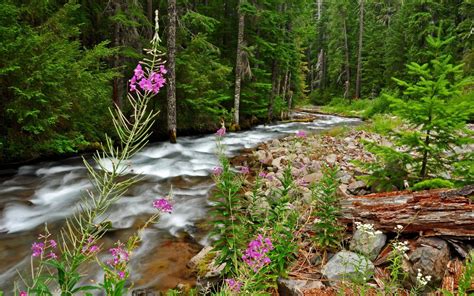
431 258
331 158
356 187
263 156
313 178
293 287
347 265
199 257
368 244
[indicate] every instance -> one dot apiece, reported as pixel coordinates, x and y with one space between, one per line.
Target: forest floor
341 147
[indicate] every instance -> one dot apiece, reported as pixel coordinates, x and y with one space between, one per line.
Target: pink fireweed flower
23 293
301 134
221 132
234 285
119 255
217 171
302 182
145 84
262 175
163 70
53 244
90 250
244 170
255 254
163 205
138 72
121 274
37 249
52 255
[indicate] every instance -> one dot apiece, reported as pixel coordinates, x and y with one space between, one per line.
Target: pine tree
436 123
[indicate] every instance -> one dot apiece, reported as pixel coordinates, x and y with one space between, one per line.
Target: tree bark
171 93
359 54
118 86
150 15
238 65
321 66
271 103
347 84
432 212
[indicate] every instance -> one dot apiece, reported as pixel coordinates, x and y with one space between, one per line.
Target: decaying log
432 212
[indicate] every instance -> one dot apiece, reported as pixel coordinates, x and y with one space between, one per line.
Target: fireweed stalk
226 208
55 264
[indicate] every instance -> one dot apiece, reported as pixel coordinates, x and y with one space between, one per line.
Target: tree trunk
118 81
274 91
238 65
359 54
321 66
171 93
432 212
347 83
150 15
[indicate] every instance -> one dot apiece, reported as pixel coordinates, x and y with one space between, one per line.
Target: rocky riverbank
366 253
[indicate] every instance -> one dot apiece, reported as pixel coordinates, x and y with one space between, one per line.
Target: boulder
194 262
369 244
357 188
294 287
331 158
263 156
431 258
347 265
313 178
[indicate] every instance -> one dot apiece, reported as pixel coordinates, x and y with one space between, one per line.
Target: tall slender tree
171 91
238 63
359 53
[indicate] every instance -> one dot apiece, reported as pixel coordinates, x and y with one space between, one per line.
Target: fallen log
430 212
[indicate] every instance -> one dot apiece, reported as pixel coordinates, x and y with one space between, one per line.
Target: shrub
432 184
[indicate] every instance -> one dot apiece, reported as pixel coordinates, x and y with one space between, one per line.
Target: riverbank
319 271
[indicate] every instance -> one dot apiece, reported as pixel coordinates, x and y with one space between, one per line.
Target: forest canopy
64 63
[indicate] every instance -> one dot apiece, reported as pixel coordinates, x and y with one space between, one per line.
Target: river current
49 192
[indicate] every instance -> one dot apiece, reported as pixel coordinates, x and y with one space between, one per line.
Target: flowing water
49 192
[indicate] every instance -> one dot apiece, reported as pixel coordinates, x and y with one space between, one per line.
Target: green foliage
388 170
432 184
328 232
48 83
436 125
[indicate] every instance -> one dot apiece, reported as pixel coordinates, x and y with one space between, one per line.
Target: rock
331 158
342 191
276 143
345 178
143 292
293 287
263 156
277 162
194 262
313 178
431 258
369 245
346 265
357 187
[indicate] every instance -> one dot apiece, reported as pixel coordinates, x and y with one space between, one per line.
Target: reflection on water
49 192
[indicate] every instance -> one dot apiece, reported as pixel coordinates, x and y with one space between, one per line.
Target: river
48 192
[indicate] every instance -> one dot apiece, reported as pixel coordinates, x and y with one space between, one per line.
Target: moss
432 184
203 266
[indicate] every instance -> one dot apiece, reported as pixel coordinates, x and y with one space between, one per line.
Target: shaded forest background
64 63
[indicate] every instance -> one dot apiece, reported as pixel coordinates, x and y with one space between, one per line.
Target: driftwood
431 212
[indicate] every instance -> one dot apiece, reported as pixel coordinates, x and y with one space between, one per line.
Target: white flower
399 227
402 247
422 280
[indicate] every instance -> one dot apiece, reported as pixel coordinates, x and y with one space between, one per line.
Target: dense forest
64 63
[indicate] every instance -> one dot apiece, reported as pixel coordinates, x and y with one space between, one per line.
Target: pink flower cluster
163 205
119 255
23 293
234 285
221 132
39 248
153 83
217 171
301 134
255 254
244 170
90 249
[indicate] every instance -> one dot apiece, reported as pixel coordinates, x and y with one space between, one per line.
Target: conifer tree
437 124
